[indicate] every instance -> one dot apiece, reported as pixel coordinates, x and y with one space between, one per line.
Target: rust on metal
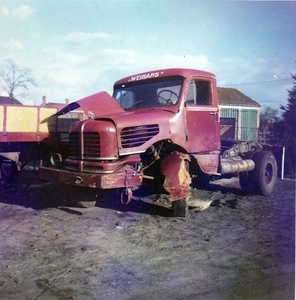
123 178
177 179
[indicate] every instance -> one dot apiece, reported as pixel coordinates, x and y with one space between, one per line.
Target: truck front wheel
180 207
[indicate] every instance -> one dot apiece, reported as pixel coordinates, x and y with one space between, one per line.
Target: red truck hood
141 127
97 105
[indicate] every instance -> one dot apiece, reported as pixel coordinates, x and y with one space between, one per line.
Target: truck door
202 118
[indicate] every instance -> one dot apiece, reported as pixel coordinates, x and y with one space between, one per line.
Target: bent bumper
126 176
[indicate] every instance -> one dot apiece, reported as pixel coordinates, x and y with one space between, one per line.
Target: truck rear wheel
263 178
265 173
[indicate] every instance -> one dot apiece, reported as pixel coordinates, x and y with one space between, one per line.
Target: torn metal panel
177 179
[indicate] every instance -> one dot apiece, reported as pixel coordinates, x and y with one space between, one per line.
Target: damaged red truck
162 126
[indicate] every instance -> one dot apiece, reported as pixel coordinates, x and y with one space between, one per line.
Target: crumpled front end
93 159
177 179
92 143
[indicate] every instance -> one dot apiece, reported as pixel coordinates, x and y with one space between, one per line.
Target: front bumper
126 176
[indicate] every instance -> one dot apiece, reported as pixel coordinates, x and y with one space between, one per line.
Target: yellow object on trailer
26 123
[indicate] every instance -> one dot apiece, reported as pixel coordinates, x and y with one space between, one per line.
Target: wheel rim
268 174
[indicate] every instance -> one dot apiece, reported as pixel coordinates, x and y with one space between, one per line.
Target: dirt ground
241 247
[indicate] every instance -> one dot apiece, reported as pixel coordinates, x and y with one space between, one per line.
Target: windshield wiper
135 104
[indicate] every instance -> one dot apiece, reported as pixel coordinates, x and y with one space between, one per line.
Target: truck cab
188 99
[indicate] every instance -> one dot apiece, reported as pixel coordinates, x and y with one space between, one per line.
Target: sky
77 48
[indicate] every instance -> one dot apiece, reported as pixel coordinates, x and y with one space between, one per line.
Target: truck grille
138 135
90 149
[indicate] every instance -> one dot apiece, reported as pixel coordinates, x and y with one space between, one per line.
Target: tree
289 111
285 131
15 80
269 117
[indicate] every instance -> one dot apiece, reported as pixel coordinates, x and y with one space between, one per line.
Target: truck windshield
149 93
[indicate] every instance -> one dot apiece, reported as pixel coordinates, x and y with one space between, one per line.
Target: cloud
5 11
83 37
22 12
58 57
13 44
65 77
71 73
124 61
129 61
75 75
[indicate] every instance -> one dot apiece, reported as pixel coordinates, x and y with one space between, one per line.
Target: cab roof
164 73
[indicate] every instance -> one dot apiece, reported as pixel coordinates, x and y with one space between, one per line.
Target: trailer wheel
265 173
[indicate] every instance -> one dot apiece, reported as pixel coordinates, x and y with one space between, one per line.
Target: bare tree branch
15 79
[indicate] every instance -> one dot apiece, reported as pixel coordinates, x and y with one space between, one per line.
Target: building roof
233 97
7 100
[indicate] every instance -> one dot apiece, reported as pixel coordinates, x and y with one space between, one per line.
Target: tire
86 204
264 175
180 208
81 197
262 179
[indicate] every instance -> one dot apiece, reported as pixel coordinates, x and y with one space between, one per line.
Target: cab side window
199 93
